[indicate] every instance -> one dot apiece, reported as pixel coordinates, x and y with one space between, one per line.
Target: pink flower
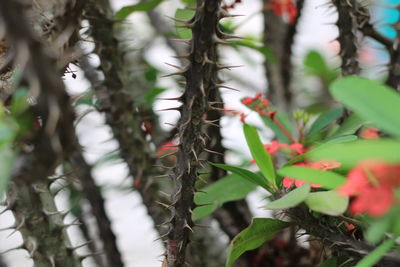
372 183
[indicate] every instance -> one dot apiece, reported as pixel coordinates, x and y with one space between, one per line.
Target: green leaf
349 126
332 262
260 155
259 231
291 199
338 140
264 50
374 256
19 101
341 139
377 230
324 120
231 187
284 120
371 100
7 156
151 95
124 12
250 176
352 152
327 202
183 14
327 179
315 64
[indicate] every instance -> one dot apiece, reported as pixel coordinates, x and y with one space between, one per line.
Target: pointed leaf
324 120
350 153
250 176
260 155
291 199
260 230
327 202
371 100
229 188
327 179
374 257
349 126
124 12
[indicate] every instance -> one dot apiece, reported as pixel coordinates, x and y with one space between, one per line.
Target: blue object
386 16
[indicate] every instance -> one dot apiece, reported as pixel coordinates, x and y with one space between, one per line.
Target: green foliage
264 50
327 179
231 187
352 152
327 202
152 94
124 12
291 199
316 65
248 175
377 230
324 120
370 100
259 231
349 126
374 257
262 158
7 156
183 14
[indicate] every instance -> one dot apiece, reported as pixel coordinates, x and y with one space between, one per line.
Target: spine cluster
201 79
347 25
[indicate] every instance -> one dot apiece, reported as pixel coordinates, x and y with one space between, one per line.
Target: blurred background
134 230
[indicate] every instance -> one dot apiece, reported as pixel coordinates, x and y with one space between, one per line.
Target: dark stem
201 79
287 66
92 193
347 25
275 31
123 114
343 244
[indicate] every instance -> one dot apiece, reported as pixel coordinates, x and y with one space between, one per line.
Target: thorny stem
122 113
83 170
286 65
347 25
201 79
43 233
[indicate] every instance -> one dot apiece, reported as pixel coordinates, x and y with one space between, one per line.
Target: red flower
285 8
247 101
298 148
370 133
274 147
243 117
372 184
320 165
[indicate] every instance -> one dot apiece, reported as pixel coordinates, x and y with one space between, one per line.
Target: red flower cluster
295 148
372 183
320 165
286 9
